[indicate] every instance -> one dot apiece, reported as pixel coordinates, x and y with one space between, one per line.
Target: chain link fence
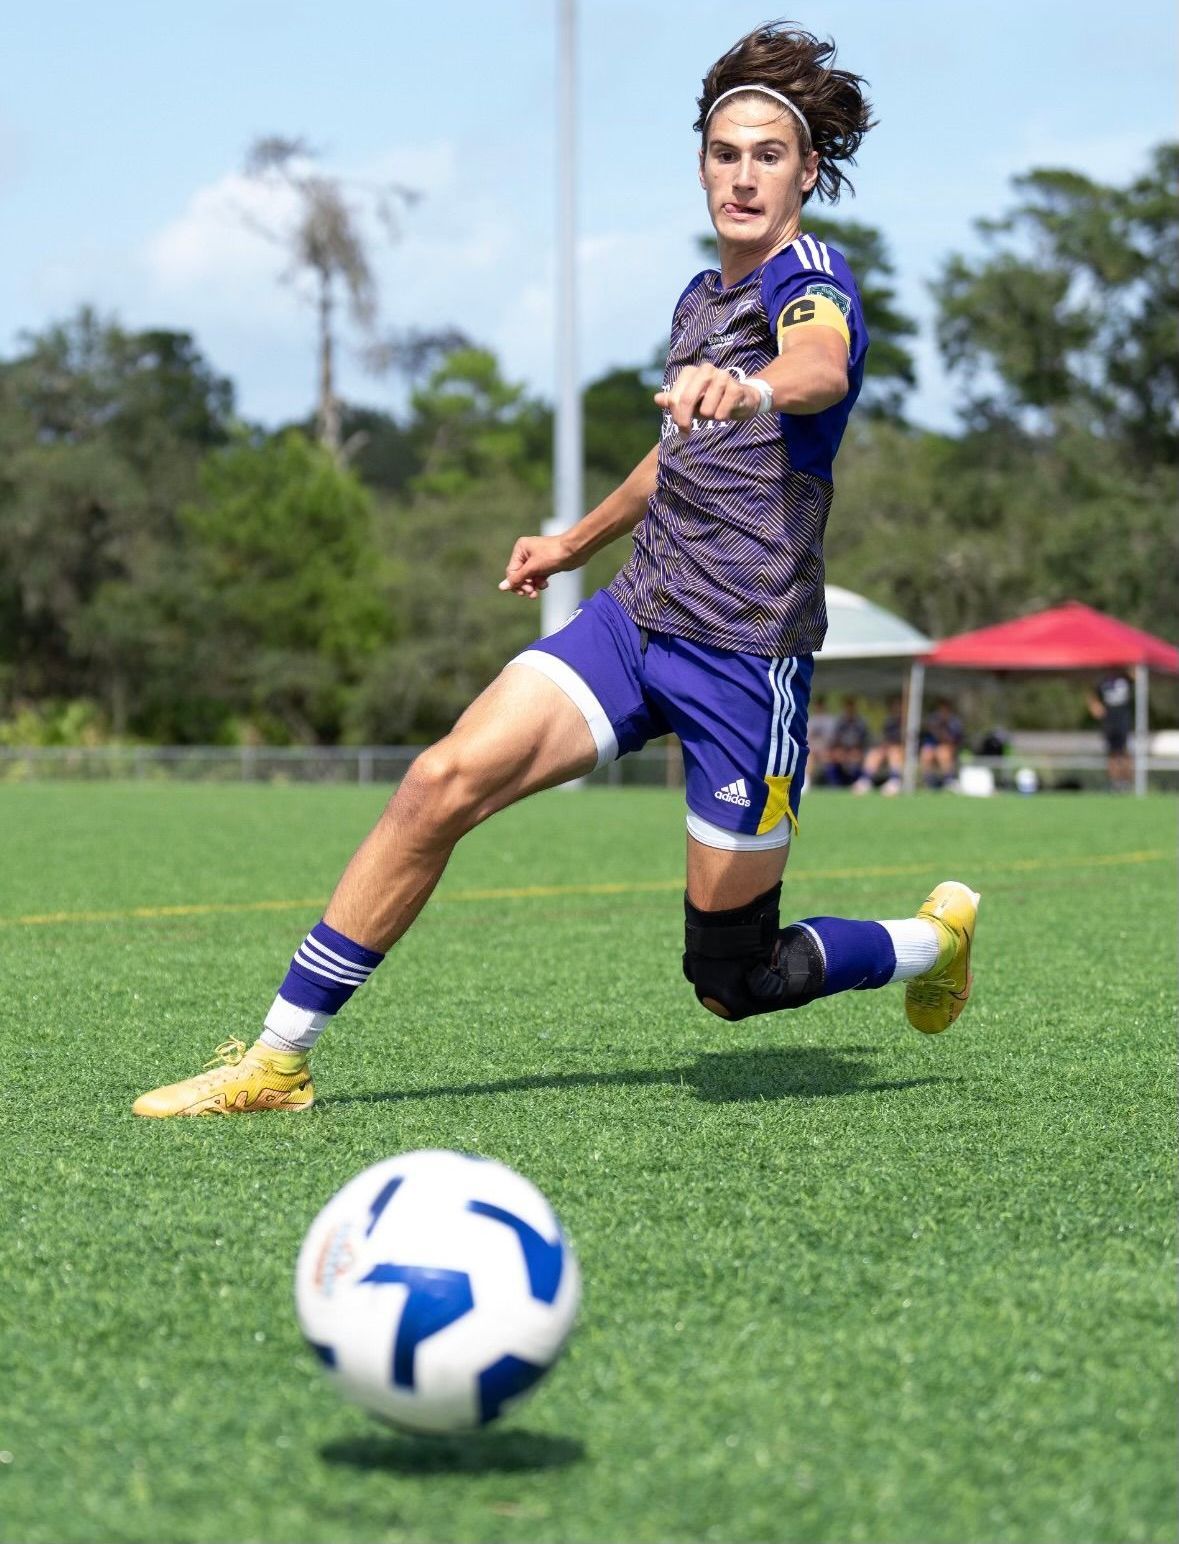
1073 761
657 765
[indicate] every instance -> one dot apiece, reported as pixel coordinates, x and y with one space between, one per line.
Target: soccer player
708 630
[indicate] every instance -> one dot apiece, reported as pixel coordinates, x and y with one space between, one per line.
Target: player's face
754 173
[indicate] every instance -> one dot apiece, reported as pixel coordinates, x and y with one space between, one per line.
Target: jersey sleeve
808 284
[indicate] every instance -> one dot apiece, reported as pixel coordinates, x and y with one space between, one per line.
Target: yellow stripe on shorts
777 804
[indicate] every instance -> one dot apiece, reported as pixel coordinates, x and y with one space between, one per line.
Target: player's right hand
533 559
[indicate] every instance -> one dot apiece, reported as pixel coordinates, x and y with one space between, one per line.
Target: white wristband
765 394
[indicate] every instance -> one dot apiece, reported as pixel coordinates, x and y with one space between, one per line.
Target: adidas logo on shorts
734 793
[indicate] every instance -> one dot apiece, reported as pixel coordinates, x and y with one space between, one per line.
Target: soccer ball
436 1288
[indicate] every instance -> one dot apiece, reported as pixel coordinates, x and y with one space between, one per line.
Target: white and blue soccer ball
436 1289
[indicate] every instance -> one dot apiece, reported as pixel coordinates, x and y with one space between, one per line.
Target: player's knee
441 788
723 948
720 990
740 964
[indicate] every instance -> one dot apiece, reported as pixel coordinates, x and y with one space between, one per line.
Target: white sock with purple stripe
326 969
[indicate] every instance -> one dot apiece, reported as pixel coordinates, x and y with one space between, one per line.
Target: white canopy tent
864 641
858 629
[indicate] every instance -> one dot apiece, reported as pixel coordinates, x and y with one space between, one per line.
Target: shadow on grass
488 1452
720 1077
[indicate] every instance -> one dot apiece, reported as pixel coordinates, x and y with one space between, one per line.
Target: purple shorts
741 718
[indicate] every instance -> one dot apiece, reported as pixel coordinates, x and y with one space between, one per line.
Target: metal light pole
564 590
1141 727
913 725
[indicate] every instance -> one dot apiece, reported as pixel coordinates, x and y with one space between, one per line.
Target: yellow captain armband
821 306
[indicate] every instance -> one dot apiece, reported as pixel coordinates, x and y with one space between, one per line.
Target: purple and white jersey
730 551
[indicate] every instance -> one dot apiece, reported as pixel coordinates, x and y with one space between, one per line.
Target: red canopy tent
1068 637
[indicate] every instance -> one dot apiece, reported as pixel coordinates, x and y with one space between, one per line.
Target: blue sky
123 129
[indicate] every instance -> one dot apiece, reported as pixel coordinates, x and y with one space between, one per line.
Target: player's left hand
706 391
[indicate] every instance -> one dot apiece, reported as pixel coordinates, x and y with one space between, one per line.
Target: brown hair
797 64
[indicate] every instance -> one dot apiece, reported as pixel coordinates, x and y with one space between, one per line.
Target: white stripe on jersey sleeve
812 254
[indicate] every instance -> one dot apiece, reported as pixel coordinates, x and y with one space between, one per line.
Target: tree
455 629
86 377
472 424
326 241
960 531
890 371
287 602
1071 316
101 435
386 453
621 419
484 451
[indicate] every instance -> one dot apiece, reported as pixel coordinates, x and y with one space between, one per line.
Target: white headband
763 91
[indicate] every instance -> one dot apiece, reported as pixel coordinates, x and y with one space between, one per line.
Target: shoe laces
926 994
228 1054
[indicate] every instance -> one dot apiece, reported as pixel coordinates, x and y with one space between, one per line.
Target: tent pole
1141 726
913 724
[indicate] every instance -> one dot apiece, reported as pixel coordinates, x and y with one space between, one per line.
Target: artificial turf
842 1282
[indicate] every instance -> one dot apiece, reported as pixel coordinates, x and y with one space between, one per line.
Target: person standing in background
1111 702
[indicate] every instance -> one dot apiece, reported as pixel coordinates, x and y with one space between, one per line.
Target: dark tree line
169 572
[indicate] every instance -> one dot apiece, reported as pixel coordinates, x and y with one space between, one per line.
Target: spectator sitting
941 744
884 763
820 726
849 744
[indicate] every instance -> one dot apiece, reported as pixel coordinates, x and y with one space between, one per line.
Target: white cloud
216 241
627 284
210 269
463 259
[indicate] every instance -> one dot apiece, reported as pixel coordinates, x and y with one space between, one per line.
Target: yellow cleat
933 1001
236 1082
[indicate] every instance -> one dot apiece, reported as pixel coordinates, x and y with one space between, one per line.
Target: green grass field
842 1282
